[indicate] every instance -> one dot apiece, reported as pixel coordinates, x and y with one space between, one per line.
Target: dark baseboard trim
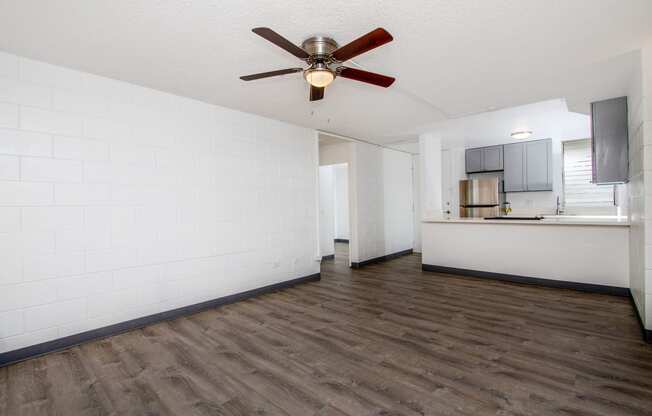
329 257
357 265
342 240
561 284
32 351
647 333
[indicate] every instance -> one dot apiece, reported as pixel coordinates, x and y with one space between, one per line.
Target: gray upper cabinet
492 158
474 160
484 159
538 166
610 142
528 166
514 175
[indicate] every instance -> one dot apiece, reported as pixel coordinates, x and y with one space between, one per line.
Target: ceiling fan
325 57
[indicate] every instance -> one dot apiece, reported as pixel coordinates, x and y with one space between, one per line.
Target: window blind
578 189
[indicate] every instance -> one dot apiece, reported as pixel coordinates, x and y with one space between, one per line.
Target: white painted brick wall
36 169
8 115
80 149
8 66
25 193
9 168
382 180
117 201
45 121
9 219
17 92
25 143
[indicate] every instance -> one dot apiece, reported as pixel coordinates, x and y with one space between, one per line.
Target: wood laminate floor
386 339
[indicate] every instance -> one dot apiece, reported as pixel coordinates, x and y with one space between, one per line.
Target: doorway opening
334 217
337 237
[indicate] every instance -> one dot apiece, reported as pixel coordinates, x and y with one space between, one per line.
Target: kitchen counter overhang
566 220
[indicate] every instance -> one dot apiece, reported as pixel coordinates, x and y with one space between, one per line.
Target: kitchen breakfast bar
582 253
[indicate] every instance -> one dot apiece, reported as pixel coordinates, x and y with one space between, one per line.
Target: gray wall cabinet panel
484 159
528 166
492 158
514 161
610 141
538 158
474 160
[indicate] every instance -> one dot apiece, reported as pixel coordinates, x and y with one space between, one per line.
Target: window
578 189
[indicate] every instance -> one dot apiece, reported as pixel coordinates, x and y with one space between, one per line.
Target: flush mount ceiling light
319 75
523 134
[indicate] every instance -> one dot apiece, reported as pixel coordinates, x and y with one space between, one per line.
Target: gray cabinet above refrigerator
484 159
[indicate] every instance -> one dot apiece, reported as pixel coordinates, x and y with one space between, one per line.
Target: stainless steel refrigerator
480 197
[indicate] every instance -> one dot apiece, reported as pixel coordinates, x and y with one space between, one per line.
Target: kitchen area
551 211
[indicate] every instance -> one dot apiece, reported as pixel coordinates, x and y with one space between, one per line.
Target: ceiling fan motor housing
319 47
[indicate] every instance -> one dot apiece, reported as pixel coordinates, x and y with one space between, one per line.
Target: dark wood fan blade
316 93
365 76
270 74
281 42
371 40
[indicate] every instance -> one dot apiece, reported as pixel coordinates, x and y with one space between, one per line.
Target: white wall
382 220
118 201
416 192
326 210
333 154
646 133
430 154
453 171
574 253
341 201
640 185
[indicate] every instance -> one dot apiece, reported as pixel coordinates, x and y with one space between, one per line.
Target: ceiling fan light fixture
522 134
319 75
325 58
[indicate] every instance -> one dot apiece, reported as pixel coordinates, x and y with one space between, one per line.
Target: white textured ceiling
545 119
451 58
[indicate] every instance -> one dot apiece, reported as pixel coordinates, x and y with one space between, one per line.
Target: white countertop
561 220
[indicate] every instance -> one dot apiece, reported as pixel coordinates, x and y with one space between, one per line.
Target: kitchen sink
536 218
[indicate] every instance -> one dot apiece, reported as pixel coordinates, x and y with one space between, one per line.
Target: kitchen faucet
558 211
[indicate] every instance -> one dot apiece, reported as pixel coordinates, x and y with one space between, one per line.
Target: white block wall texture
637 192
383 218
416 191
398 201
640 185
646 134
117 201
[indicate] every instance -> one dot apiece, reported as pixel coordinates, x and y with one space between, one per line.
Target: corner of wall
640 186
